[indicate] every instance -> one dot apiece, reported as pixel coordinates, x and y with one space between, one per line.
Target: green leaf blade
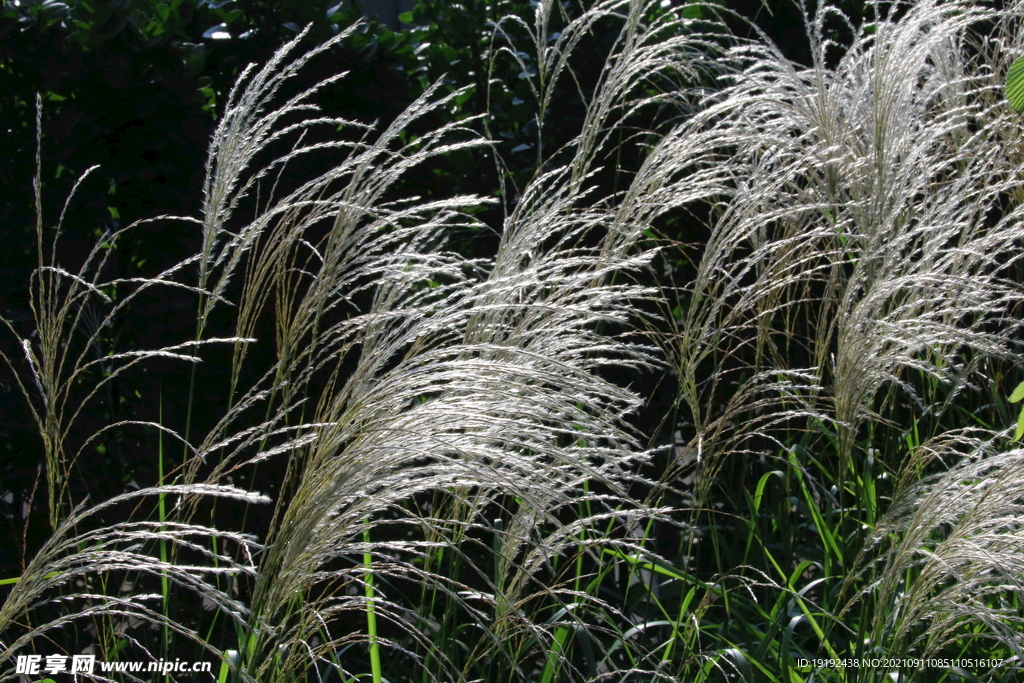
1015 85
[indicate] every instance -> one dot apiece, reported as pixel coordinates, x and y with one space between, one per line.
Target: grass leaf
1015 85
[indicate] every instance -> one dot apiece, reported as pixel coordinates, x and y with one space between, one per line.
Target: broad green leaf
1015 85
1020 426
1017 394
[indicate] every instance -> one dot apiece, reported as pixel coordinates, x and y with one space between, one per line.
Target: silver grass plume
959 534
854 206
852 254
483 387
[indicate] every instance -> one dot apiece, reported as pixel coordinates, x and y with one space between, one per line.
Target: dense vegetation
539 342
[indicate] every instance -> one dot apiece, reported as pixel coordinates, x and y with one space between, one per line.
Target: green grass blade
371 614
1015 85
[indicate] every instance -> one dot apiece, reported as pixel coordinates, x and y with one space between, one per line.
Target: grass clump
459 487
426 404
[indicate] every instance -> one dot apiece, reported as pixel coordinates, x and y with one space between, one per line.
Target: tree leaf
1015 85
1017 394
